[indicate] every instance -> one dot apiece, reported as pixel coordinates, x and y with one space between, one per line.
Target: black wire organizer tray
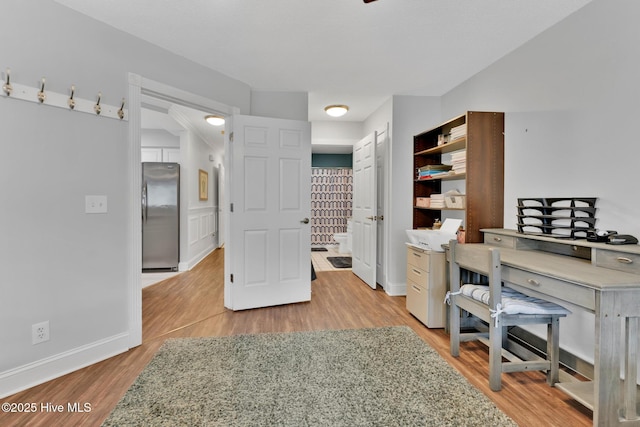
566 217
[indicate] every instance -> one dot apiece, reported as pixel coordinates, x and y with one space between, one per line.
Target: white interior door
364 210
268 248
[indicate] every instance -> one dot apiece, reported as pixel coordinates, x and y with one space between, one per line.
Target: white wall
411 115
336 136
378 118
198 240
280 105
58 263
571 101
159 138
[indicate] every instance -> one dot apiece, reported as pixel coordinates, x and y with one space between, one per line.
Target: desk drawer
555 289
417 276
418 259
426 306
501 241
417 301
616 260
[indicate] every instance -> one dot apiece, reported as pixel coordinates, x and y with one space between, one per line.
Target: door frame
139 86
382 153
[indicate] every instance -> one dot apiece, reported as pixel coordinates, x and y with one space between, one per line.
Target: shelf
439 209
445 148
481 173
443 177
574 217
580 391
591 210
583 392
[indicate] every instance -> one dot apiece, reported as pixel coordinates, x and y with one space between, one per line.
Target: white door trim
382 154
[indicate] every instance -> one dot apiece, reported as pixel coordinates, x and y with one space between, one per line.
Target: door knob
372 218
305 221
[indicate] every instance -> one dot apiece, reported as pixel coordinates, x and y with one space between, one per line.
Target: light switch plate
95 204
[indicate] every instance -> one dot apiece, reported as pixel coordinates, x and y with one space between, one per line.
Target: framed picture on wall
203 185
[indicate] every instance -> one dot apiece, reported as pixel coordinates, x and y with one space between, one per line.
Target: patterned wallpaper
331 198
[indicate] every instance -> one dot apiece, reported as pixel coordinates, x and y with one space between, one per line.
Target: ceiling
339 51
175 119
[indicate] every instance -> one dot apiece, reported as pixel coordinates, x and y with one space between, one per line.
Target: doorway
369 236
173 133
142 90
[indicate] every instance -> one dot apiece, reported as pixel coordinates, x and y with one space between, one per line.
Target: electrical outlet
95 204
40 332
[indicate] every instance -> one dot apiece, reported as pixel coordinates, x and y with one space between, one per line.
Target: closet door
364 210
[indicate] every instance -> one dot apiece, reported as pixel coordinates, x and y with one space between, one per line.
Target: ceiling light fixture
214 120
336 110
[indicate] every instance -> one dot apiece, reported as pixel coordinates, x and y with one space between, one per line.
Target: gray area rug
361 377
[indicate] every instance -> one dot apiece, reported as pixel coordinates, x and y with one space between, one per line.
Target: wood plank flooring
191 305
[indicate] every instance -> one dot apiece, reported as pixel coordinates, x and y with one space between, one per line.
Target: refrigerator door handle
144 203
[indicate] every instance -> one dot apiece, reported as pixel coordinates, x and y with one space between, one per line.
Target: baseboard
202 255
41 371
396 289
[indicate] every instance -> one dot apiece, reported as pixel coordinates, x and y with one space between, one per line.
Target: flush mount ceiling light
336 110
214 120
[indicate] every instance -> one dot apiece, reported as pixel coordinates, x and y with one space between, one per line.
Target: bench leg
454 329
495 356
553 350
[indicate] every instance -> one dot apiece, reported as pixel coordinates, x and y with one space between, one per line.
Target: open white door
364 210
268 248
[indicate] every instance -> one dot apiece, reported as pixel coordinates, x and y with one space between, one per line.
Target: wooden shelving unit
483 174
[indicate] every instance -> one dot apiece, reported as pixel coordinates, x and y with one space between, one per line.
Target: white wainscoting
203 234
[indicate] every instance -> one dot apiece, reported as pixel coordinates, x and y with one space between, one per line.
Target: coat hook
41 95
71 101
97 108
7 88
121 110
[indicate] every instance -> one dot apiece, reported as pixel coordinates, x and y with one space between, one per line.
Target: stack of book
432 171
458 132
437 201
459 161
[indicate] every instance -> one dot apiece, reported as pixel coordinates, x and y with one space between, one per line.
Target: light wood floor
191 305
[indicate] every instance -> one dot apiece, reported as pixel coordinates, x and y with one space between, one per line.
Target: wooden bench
500 308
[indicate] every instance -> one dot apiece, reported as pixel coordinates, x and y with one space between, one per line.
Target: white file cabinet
426 286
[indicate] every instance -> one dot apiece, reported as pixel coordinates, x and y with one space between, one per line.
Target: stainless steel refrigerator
160 216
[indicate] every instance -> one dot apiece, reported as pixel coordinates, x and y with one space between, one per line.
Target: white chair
500 307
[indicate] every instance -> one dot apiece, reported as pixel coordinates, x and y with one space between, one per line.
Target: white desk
603 279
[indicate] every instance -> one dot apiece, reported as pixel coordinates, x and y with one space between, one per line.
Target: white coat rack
67 101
